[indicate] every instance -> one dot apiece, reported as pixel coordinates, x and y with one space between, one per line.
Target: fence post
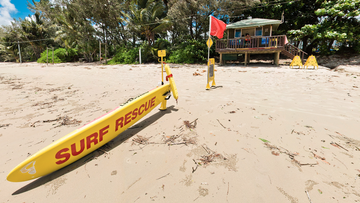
140 55
19 52
105 54
53 55
47 56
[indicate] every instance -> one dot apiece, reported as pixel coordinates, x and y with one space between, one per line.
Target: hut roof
254 22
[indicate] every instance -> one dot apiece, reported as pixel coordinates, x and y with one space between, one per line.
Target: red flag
217 27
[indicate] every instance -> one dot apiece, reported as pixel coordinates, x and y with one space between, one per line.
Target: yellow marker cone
311 61
296 62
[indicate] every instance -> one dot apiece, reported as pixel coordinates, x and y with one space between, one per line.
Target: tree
147 18
337 22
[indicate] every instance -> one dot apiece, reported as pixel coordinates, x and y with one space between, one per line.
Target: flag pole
209 36
209 48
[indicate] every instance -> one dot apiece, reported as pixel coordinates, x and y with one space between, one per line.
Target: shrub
191 51
125 56
61 55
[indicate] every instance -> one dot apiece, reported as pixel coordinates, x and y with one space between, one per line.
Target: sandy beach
264 134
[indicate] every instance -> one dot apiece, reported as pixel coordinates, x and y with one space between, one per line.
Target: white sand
299 111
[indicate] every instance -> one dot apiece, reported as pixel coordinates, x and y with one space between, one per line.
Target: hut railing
255 42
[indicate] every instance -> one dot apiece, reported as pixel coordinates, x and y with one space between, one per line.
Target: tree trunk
191 28
330 44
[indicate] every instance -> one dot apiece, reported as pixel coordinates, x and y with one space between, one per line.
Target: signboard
209 42
211 73
161 53
211 70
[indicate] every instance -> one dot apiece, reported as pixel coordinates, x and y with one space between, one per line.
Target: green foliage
61 55
191 51
125 56
337 23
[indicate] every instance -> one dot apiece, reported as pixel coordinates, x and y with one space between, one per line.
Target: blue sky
10 9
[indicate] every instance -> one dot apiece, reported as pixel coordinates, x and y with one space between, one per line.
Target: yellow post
163 105
161 54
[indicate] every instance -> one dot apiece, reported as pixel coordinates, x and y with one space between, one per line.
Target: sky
10 9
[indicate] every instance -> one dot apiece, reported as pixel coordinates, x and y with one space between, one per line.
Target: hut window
266 30
259 31
249 31
237 33
231 34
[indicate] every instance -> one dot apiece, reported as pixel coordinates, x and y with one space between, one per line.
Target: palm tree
147 18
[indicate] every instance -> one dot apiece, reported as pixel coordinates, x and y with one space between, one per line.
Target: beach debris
140 140
184 140
4 125
191 125
163 177
339 133
299 133
232 111
338 146
221 124
308 195
67 121
171 139
263 140
275 153
207 159
197 165
196 74
210 157
319 157
320 191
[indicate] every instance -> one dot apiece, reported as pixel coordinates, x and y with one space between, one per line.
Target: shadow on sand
107 147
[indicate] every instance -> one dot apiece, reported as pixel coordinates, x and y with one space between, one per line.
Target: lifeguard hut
261 41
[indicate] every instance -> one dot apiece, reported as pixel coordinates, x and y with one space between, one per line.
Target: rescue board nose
172 82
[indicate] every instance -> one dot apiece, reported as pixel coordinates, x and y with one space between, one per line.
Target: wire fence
18 55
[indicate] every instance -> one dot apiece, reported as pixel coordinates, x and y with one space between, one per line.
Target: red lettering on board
153 101
134 113
128 118
91 139
140 112
82 147
147 105
103 132
60 155
119 122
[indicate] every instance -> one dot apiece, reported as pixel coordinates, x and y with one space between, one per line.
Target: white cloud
5 9
31 18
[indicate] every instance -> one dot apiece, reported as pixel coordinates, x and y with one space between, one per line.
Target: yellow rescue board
90 137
